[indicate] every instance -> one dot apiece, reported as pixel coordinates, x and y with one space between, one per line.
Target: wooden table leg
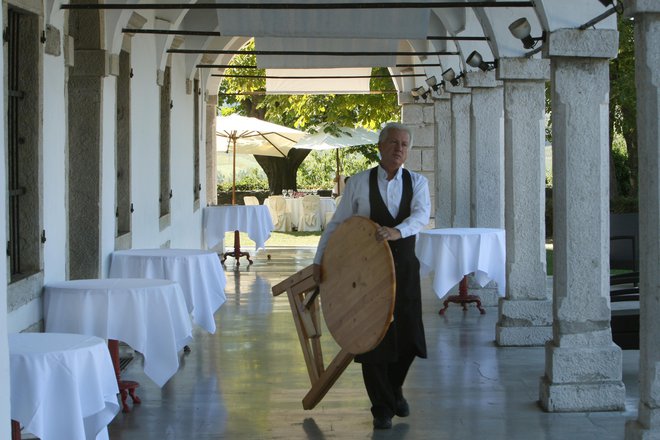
126 387
237 253
462 298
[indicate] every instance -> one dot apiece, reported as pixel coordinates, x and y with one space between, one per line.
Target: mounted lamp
475 60
521 29
450 76
432 82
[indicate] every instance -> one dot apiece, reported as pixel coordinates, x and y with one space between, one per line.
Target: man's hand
389 234
317 273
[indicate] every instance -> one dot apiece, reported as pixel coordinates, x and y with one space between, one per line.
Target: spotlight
433 83
606 3
475 60
450 76
419 92
521 29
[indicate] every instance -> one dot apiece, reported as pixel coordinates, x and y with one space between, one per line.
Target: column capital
523 69
456 89
589 43
481 79
634 7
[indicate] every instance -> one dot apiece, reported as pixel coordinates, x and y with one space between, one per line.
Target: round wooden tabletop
358 286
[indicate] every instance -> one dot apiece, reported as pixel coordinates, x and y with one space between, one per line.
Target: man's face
394 149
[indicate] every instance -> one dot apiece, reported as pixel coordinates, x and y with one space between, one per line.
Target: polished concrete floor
247 380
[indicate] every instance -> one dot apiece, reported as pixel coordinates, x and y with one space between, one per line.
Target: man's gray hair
395 126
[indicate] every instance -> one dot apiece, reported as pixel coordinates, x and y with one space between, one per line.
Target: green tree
246 95
623 112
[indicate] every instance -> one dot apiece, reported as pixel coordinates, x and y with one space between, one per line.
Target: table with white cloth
149 315
253 219
198 272
295 208
453 253
63 386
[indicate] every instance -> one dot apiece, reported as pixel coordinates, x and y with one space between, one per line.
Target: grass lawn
279 239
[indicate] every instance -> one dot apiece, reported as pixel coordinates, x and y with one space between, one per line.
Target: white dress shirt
355 201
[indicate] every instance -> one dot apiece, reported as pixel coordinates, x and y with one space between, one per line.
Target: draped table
149 315
198 272
253 219
63 386
453 253
294 207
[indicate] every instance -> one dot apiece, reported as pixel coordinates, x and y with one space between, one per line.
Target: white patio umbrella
245 135
344 137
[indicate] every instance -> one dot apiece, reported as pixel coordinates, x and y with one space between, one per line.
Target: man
398 201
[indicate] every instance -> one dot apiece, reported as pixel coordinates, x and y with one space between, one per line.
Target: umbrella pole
337 174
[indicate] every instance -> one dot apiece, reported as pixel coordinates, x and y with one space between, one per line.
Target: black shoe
402 409
382 422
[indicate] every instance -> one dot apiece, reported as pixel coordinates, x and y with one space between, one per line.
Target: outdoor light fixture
606 3
475 60
450 76
522 30
420 92
433 83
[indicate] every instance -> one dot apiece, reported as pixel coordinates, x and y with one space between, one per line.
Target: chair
310 218
250 200
279 214
328 215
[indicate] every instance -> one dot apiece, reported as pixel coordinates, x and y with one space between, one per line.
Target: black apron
406 332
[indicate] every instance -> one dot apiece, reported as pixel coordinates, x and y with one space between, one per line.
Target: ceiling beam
303 52
218 34
403 75
171 32
308 6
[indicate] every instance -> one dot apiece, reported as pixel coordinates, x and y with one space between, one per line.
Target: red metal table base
126 387
15 430
462 298
237 253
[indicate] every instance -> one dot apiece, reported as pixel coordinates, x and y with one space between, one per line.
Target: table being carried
63 386
149 315
357 297
253 219
453 253
198 272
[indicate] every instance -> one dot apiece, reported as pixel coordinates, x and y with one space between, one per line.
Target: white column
419 117
486 150
647 79
583 365
460 171
211 155
444 160
525 315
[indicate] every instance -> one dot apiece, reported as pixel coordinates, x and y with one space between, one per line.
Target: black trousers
383 381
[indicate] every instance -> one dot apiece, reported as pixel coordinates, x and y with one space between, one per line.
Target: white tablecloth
253 219
294 207
63 386
198 272
149 315
455 252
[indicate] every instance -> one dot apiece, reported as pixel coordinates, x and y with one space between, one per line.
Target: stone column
443 164
421 157
525 315
486 150
211 155
460 165
647 79
583 365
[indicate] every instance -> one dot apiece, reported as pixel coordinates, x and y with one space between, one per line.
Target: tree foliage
246 95
623 110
